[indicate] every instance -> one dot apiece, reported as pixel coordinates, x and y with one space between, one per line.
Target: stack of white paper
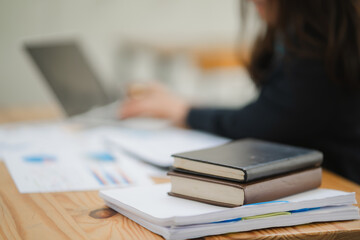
176 218
157 146
56 157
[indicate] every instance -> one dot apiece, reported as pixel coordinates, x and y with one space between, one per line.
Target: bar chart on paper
73 162
44 174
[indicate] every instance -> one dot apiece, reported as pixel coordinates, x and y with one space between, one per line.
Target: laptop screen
69 75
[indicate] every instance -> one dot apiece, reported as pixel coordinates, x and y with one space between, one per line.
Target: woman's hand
154 100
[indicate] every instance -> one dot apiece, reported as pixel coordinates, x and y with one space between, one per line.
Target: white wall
101 25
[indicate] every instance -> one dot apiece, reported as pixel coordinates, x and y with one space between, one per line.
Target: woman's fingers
156 101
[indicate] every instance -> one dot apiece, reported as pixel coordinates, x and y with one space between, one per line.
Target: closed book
247 160
232 194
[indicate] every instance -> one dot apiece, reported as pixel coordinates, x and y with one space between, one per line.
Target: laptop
83 99
68 74
76 86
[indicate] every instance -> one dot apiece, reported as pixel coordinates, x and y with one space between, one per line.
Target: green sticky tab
267 215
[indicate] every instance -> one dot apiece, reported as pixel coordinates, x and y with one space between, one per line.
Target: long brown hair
324 29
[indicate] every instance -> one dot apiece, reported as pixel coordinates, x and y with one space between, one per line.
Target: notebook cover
264 190
257 158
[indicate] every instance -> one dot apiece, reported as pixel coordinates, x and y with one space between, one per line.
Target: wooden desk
68 216
81 215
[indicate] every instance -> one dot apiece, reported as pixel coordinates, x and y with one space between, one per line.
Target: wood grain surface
83 215
29 113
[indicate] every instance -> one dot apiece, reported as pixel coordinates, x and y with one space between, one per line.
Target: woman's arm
294 104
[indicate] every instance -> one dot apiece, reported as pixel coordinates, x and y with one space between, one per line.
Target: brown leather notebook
232 194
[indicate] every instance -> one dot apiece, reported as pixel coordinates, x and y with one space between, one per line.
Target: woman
307 67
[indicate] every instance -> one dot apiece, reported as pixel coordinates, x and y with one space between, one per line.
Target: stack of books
251 176
244 172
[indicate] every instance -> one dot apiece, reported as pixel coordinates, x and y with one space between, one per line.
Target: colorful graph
110 176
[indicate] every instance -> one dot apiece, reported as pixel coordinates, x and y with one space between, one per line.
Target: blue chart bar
111 178
102 157
98 177
39 158
124 177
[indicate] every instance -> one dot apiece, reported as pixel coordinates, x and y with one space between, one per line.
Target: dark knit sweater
299 105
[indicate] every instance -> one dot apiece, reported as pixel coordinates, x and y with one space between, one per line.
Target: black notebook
247 159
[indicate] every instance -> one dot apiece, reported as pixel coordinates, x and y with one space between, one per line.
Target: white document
55 159
154 205
157 146
325 214
176 218
21 136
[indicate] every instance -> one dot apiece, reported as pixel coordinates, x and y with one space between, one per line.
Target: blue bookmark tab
266 203
304 210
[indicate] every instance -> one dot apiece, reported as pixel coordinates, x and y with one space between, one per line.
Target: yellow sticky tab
267 215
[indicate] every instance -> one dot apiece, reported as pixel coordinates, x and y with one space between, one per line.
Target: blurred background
192 46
